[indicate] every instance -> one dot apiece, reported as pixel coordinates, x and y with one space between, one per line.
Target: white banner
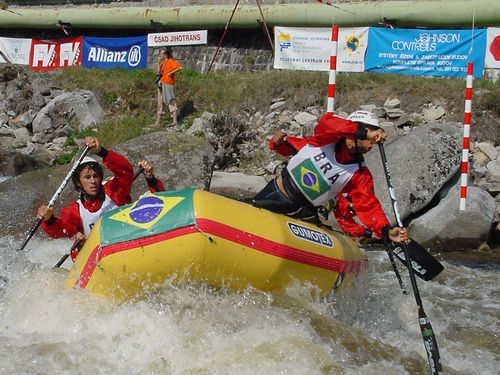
16 50
492 55
310 48
352 45
179 38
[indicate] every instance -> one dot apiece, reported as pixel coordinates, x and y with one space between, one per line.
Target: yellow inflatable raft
203 237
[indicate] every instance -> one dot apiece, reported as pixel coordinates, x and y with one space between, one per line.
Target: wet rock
445 228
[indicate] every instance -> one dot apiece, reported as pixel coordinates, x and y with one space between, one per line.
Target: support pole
223 36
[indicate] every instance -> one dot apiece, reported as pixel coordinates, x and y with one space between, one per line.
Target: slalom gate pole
333 71
466 139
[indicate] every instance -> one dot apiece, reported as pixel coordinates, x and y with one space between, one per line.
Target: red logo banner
52 54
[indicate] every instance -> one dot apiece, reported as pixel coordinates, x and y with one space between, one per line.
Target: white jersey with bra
90 218
317 173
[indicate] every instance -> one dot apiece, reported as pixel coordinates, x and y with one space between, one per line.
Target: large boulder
79 108
13 163
180 160
420 163
445 228
236 185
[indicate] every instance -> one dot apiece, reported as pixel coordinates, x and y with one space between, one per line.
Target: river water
194 329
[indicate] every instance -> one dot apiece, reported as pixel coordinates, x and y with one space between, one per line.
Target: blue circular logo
309 179
134 55
352 43
146 210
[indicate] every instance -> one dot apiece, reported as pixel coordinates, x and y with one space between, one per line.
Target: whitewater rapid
195 329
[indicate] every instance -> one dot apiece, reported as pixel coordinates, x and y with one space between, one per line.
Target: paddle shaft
78 243
426 330
65 256
395 267
35 227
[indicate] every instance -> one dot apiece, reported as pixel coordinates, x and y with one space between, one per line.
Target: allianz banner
108 53
425 52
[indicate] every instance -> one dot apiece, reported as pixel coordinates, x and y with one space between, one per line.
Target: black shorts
272 199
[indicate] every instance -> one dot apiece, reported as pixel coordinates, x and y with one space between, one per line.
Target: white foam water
196 329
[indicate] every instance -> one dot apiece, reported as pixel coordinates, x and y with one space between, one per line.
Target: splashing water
194 329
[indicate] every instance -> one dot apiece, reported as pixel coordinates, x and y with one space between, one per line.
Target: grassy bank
129 97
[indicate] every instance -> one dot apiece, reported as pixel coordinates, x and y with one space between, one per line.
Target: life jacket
318 175
90 218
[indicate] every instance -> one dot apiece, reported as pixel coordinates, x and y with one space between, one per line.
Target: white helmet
88 159
364 117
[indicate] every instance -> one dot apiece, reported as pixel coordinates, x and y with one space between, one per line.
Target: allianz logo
311 235
100 54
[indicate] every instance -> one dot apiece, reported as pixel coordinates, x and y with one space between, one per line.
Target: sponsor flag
352 45
179 38
492 56
108 53
15 50
52 54
310 48
425 52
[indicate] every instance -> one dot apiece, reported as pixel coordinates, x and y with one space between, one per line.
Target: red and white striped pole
466 141
333 71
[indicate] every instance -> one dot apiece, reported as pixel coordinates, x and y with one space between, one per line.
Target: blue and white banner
425 52
108 53
300 48
352 45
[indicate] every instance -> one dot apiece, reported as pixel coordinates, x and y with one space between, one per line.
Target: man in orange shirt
168 69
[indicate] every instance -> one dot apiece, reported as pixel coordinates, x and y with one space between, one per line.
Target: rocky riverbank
424 151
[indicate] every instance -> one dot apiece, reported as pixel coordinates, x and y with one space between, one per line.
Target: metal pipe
413 13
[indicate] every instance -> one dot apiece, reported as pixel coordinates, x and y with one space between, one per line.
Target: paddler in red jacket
78 218
325 170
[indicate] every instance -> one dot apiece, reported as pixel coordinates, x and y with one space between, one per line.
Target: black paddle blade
424 265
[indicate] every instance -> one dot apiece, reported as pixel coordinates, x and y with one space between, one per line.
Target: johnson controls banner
310 48
52 54
15 50
425 52
179 38
108 53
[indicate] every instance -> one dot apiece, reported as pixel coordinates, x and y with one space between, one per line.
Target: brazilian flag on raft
152 214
